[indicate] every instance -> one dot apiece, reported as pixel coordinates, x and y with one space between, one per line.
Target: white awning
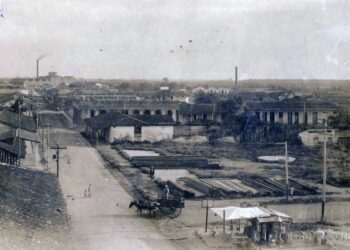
237 213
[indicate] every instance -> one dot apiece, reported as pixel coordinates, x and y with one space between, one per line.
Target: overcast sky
179 39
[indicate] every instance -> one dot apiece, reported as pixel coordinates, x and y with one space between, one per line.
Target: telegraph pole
47 146
206 204
324 170
18 136
58 148
286 163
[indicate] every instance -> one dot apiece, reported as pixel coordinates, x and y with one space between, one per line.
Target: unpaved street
103 221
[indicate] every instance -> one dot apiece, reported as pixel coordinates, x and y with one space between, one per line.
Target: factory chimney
236 76
37 69
37 66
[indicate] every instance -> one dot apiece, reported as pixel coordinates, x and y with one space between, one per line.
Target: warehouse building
292 111
114 126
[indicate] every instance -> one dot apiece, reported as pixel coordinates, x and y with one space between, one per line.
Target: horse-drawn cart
170 206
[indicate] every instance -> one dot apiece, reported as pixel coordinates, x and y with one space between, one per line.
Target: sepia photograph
183 124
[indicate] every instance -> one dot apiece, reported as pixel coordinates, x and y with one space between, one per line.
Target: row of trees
340 121
238 122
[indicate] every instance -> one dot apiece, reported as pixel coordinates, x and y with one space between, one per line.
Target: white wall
157 133
316 137
117 133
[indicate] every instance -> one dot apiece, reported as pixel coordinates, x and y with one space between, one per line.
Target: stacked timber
301 189
166 162
265 185
185 192
245 187
231 186
180 183
203 187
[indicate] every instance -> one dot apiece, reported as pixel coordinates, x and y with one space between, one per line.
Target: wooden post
287 174
58 148
224 223
324 172
206 217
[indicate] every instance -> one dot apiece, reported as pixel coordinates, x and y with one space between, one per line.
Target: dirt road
103 221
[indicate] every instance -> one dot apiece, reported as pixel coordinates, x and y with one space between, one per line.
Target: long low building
113 126
289 112
182 113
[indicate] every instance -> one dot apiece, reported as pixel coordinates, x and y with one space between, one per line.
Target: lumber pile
251 186
166 162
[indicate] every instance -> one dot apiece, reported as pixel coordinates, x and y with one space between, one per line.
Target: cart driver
166 191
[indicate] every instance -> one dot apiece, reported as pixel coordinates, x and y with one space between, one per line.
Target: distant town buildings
212 90
292 111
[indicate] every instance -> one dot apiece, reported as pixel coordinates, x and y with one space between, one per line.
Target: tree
165 80
206 98
18 103
340 121
124 85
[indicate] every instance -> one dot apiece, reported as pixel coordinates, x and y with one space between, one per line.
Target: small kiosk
262 225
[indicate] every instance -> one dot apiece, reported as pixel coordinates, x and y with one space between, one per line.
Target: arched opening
170 112
92 113
136 112
102 112
147 112
158 112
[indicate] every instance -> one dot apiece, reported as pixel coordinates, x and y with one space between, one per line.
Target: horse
143 205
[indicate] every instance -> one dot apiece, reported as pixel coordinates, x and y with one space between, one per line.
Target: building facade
182 113
293 112
114 126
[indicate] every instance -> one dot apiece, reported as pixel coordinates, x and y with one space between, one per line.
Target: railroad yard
225 176
226 173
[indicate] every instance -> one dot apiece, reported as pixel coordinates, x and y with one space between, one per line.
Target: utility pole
207 204
324 170
18 136
286 158
47 146
286 163
58 148
224 223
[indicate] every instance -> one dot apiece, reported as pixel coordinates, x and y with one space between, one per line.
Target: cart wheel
171 212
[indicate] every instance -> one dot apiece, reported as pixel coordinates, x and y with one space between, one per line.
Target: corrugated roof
113 119
11 119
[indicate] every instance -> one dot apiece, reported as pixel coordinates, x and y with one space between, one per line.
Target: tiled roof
126 104
25 135
11 119
11 148
197 109
293 105
113 119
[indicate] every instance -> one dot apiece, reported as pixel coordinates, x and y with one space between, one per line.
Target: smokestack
37 65
37 69
236 76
